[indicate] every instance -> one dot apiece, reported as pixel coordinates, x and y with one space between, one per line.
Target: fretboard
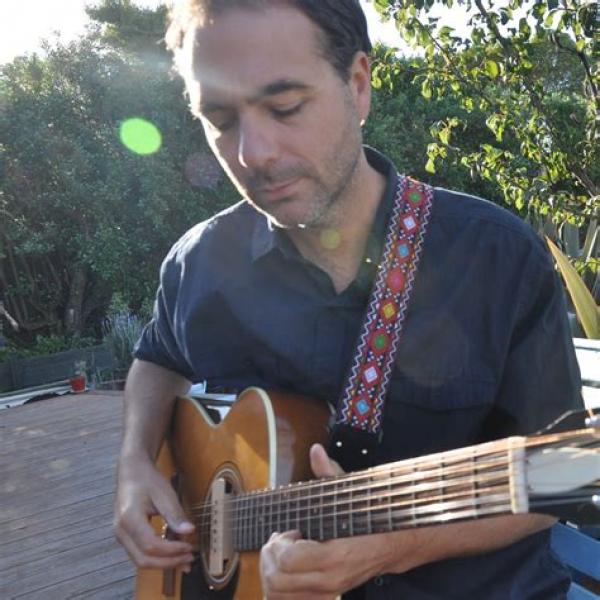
449 486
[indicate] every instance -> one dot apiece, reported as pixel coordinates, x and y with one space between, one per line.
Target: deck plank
57 478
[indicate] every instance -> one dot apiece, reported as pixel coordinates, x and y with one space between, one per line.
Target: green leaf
444 136
492 69
430 166
586 308
426 91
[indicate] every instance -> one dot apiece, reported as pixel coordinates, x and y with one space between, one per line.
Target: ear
360 84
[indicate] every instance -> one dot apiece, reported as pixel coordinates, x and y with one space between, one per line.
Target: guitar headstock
563 468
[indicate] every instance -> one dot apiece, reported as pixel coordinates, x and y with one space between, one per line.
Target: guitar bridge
221 534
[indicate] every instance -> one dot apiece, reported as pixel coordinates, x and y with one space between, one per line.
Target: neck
338 243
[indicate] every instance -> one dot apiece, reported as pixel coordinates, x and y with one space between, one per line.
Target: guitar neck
451 486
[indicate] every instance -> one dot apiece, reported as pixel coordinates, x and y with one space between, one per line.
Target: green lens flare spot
140 136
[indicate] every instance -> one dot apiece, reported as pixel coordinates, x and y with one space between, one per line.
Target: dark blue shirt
486 350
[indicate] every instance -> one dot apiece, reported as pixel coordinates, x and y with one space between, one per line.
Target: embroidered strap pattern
363 398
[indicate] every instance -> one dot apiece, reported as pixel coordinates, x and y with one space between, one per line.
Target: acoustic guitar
248 476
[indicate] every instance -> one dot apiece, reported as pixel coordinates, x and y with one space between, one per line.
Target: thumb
321 464
170 509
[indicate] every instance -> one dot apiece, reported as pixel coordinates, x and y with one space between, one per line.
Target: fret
249 524
442 488
413 496
360 507
232 506
474 493
321 491
349 510
254 520
369 492
279 509
288 516
260 521
334 510
244 523
311 512
293 510
390 489
271 511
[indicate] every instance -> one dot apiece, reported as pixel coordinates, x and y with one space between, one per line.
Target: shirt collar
267 236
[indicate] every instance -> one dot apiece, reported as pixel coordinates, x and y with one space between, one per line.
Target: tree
504 68
81 215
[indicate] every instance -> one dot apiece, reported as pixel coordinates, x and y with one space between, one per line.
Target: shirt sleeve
541 378
158 341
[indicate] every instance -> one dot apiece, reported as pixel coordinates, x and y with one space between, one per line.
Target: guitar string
355 506
381 493
255 538
347 496
392 474
498 503
478 464
293 510
433 460
334 485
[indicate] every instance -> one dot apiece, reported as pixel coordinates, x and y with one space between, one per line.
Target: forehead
241 51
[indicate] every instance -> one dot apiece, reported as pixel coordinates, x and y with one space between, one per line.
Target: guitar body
262 443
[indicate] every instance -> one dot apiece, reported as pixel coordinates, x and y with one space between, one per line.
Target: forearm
150 394
431 544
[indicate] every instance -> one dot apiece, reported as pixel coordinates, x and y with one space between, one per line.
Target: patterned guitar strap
356 428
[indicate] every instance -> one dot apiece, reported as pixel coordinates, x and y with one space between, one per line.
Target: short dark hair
342 23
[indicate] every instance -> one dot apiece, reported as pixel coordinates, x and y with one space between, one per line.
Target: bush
45 345
121 331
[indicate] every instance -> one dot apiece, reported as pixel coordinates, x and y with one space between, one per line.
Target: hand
143 492
295 568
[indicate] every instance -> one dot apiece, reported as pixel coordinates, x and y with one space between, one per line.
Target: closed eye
287 112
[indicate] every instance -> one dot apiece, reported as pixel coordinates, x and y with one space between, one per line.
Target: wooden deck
57 476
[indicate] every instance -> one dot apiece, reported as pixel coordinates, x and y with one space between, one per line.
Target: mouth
279 190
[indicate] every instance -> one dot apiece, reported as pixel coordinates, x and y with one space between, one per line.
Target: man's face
281 121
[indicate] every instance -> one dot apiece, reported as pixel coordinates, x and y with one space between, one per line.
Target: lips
279 189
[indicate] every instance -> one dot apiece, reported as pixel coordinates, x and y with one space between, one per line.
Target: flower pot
78 384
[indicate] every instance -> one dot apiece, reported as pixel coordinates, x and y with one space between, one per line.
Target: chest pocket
440 393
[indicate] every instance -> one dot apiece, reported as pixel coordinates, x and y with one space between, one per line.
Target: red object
78 384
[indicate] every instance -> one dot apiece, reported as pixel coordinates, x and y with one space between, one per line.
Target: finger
321 464
170 509
292 535
301 585
138 528
147 561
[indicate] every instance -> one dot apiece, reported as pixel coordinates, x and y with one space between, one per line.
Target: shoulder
484 224
222 238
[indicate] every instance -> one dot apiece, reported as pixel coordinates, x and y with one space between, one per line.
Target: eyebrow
272 89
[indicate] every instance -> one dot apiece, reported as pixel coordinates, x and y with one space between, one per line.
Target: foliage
586 308
121 331
44 346
135 29
401 119
545 154
81 216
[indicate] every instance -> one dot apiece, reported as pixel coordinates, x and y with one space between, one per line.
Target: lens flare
140 136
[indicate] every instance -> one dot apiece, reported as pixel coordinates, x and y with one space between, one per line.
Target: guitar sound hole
214 573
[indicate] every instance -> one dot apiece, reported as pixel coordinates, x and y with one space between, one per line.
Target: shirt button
379 581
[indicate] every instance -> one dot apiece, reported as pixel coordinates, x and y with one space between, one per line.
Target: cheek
225 152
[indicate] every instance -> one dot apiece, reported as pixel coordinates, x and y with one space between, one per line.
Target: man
271 292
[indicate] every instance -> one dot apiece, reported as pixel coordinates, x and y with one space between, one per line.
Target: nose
257 147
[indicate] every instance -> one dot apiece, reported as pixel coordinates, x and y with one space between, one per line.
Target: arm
290 564
142 491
